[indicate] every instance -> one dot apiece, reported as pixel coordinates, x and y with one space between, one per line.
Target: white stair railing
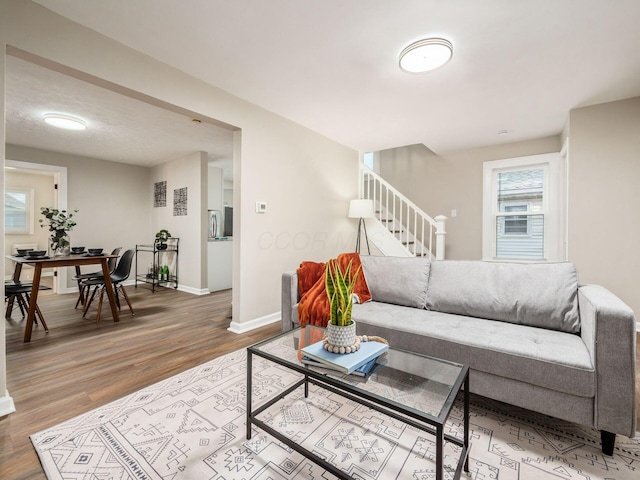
419 234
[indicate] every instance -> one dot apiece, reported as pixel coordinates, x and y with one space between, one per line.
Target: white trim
564 154
244 327
193 291
6 405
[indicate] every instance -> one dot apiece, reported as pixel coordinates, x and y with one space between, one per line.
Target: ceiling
120 128
332 65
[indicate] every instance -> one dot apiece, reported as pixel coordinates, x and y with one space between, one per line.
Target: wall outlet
454 213
261 207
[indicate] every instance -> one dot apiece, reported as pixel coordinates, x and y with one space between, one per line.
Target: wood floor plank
80 365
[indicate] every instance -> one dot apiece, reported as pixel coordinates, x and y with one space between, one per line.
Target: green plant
339 286
59 222
162 236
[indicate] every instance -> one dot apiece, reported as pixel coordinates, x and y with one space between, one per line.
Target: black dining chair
20 292
79 277
119 275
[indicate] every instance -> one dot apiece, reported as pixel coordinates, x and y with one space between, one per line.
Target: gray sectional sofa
532 336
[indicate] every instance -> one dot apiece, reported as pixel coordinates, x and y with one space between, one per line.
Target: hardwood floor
79 365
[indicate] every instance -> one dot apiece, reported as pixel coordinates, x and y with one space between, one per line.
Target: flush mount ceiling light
426 55
67 122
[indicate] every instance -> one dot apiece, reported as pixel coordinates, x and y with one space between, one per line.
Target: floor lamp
361 209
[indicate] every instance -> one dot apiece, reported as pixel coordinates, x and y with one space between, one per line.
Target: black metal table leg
249 387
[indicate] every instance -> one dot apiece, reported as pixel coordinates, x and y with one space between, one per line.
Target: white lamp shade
361 209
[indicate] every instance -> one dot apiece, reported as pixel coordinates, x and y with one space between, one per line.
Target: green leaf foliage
339 286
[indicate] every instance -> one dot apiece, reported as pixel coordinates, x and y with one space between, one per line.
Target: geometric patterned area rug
192 426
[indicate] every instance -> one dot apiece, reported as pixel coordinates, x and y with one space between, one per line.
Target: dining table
71 260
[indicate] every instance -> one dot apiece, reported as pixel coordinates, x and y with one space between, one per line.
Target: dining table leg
109 287
31 313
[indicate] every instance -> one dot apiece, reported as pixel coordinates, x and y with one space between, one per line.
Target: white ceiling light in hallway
61 120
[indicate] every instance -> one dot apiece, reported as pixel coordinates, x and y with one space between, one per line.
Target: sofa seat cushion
546 358
541 295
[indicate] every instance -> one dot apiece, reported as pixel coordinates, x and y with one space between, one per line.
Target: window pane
520 186
520 236
15 210
512 243
517 225
17 205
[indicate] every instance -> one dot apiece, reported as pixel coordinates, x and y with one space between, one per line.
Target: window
523 209
18 210
367 159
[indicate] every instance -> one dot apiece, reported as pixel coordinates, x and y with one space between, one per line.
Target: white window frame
29 215
554 204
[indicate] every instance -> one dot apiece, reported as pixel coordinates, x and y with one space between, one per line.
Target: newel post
440 236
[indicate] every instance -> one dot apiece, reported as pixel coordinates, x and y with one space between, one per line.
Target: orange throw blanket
313 308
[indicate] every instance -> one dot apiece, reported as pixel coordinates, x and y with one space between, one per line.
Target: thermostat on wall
261 207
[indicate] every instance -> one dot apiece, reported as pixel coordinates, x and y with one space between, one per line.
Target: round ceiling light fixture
426 55
67 122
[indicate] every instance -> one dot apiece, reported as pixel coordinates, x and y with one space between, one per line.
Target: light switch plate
261 207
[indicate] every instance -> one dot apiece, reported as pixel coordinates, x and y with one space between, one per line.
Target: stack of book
360 363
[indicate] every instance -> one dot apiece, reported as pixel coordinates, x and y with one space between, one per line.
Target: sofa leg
608 441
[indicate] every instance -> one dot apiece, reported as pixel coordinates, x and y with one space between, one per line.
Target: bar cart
163 255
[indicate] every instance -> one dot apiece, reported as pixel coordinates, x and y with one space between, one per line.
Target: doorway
49 185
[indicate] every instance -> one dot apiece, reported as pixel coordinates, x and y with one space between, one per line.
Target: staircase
400 227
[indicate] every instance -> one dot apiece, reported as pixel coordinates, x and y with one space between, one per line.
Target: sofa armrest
608 328
290 298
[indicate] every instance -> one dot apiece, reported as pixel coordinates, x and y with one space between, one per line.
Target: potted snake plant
341 329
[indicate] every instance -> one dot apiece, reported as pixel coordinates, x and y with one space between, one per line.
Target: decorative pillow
397 280
541 295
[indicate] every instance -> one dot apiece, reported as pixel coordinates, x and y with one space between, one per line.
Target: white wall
306 179
604 173
215 188
189 171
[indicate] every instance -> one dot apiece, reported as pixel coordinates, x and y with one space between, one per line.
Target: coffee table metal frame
418 419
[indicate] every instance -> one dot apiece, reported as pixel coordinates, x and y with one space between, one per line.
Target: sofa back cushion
541 295
397 280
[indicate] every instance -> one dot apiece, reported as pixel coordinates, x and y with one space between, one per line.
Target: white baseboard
6 405
131 283
243 327
194 291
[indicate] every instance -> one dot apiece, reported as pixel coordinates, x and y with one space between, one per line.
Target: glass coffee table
423 388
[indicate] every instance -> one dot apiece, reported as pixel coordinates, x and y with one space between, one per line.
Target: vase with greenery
60 223
341 329
161 239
